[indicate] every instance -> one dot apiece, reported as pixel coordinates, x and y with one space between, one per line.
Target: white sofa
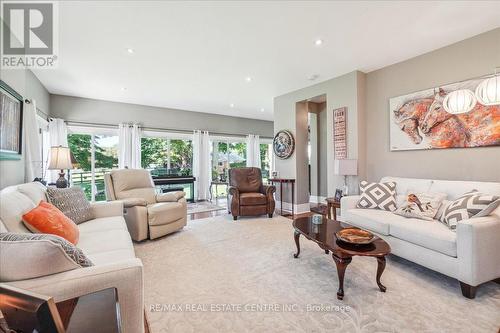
104 240
471 254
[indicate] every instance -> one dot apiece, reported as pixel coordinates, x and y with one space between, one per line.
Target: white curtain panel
58 133
129 146
253 151
201 164
32 144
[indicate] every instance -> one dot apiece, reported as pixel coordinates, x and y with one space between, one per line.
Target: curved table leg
341 267
380 270
296 236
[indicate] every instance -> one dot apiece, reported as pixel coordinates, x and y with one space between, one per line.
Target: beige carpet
215 262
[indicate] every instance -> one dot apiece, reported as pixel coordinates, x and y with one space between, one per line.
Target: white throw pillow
27 256
422 206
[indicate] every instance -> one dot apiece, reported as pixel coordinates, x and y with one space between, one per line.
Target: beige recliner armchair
145 211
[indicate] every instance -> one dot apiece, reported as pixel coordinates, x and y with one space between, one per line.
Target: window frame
93 132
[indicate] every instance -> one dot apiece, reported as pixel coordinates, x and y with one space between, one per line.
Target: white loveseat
104 240
471 254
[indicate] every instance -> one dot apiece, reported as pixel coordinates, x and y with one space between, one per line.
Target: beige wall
470 58
288 114
105 112
26 84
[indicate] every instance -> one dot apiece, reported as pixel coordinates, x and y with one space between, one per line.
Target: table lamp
60 159
346 168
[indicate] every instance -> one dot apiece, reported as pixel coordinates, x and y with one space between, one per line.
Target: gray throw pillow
377 195
471 204
27 256
72 202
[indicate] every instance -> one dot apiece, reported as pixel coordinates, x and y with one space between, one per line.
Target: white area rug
218 276
202 206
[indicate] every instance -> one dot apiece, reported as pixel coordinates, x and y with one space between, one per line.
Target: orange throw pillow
47 219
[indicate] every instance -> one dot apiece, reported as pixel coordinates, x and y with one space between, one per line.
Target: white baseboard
298 208
317 199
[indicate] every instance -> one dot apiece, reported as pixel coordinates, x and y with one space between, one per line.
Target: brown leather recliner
247 194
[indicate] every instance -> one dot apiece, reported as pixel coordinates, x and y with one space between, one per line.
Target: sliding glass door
95 153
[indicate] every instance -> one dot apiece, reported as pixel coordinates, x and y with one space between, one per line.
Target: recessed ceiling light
129 50
231 105
318 42
262 110
248 79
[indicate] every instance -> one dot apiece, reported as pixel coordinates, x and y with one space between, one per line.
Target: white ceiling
196 55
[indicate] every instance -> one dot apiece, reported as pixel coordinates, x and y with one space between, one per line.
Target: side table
282 181
332 205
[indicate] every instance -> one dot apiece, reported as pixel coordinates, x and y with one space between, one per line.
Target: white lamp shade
459 101
346 167
488 91
60 158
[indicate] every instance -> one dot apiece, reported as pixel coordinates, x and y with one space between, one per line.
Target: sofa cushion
165 212
429 234
13 205
106 240
455 188
47 219
36 191
252 199
103 224
377 195
72 202
96 244
27 256
469 205
370 219
406 185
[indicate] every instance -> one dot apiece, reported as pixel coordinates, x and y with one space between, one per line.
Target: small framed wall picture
338 194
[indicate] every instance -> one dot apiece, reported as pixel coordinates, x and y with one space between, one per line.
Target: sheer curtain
253 151
129 146
58 133
32 144
201 164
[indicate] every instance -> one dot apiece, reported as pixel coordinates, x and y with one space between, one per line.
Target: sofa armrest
170 196
348 202
107 209
478 245
132 202
126 276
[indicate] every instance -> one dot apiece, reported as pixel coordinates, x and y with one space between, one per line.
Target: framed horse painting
419 121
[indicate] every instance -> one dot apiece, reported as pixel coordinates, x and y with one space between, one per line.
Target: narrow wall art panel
340 133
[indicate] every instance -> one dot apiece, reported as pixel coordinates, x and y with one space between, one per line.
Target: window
226 155
266 160
95 154
167 157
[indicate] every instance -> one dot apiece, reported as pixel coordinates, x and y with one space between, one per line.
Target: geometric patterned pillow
377 195
72 202
27 256
471 204
73 252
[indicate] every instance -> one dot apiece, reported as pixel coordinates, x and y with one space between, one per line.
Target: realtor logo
29 34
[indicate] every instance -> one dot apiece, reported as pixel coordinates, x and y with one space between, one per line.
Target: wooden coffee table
324 235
